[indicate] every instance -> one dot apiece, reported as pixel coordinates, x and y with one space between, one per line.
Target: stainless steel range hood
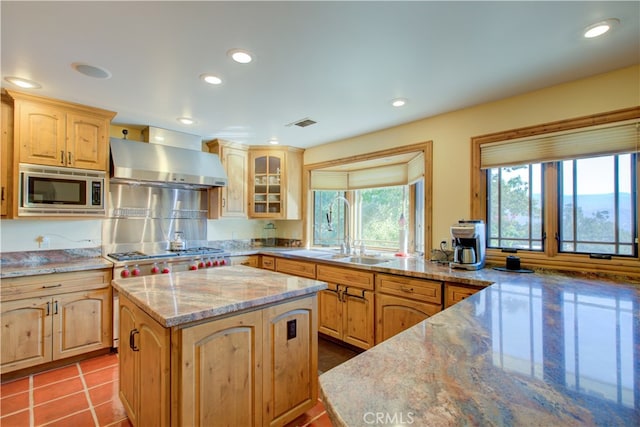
133 161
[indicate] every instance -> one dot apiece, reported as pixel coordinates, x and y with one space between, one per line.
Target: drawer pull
132 339
51 286
406 289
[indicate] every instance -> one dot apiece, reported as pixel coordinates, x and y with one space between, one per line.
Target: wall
21 234
451 133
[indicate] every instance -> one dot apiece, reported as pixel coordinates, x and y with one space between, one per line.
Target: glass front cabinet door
268 184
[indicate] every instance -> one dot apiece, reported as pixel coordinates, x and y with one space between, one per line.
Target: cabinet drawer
345 276
418 289
455 293
57 283
297 268
268 263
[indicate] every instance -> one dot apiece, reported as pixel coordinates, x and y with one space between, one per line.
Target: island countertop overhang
181 298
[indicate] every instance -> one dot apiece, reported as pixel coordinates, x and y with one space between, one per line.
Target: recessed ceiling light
186 120
211 79
600 28
239 55
23 83
91 70
274 141
398 102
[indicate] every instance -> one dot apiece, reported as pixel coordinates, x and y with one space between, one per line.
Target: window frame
550 257
427 150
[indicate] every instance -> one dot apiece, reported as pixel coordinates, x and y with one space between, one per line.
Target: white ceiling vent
303 123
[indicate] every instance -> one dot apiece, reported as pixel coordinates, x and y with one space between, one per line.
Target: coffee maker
469 240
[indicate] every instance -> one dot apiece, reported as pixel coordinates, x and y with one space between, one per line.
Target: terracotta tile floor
85 394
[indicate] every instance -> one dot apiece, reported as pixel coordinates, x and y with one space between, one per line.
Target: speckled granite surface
530 350
31 263
178 298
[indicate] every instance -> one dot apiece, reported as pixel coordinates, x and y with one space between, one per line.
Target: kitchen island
531 349
227 346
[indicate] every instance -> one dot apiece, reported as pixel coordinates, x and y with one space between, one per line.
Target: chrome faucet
346 246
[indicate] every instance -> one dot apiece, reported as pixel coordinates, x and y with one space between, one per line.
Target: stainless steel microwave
56 191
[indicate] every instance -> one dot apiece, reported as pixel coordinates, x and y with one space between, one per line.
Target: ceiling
337 63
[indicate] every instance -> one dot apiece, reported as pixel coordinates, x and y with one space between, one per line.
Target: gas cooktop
137 255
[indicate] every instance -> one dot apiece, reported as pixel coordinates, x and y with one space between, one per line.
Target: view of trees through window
375 216
514 219
596 206
596 210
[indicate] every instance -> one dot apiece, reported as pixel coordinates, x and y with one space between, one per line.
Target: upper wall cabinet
57 133
230 201
275 182
6 156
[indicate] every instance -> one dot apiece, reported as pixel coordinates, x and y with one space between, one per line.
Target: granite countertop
532 349
32 263
179 298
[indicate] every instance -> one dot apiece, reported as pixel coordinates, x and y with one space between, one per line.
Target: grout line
86 393
31 401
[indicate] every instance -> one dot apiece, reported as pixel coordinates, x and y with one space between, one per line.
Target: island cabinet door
144 367
290 360
330 311
220 372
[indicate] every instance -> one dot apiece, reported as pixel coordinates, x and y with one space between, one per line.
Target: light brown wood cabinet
402 302
52 317
6 158
455 293
346 307
230 201
267 262
144 367
248 260
257 368
297 268
56 133
275 182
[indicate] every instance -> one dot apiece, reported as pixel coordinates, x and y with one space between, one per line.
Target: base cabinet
403 302
257 368
346 307
51 326
144 356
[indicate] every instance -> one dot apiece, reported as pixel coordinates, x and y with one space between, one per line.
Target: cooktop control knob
193 266
165 269
155 269
223 262
135 271
209 263
201 264
125 272
216 263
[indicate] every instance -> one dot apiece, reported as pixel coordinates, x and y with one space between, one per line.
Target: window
561 194
368 216
367 197
597 210
514 217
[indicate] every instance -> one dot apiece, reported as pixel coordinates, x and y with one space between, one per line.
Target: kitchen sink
365 260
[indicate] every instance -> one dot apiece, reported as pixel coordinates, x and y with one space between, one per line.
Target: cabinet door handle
51 286
3 194
62 157
55 307
132 339
406 289
224 202
48 308
69 156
